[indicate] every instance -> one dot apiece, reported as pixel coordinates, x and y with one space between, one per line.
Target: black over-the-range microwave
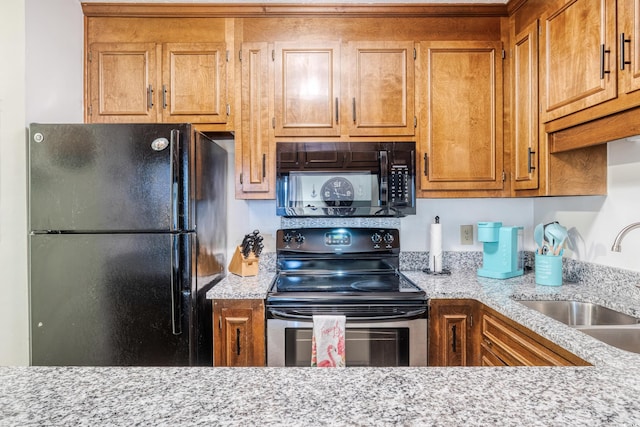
345 178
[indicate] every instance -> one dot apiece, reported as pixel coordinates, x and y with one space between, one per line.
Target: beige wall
14 343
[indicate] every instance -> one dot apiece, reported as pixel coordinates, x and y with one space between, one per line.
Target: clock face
337 191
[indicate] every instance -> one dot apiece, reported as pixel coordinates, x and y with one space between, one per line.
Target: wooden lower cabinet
239 333
506 343
451 333
465 332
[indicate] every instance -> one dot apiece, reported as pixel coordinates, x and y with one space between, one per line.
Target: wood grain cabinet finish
524 112
239 333
504 342
366 89
123 82
629 45
465 332
461 108
194 83
451 333
307 89
255 158
578 57
152 82
380 99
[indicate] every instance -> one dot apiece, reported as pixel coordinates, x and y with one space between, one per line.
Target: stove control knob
388 238
287 238
376 238
299 238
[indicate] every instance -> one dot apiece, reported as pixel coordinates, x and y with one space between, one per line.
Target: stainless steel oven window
397 343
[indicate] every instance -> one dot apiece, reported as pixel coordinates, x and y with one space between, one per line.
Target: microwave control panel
400 191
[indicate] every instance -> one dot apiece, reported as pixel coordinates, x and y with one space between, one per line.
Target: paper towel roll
435 248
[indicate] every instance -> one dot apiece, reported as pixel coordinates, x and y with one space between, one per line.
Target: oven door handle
277 314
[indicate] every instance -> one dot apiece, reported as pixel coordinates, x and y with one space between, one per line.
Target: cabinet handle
426 165
337 112
530 166
238 341
623 42
353 105
603 51
264 165
453 339
164 97
150 97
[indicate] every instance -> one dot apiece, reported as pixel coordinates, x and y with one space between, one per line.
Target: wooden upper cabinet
460 105
151 82
578 57
123 82
307 89
524 119
629 39
381 88
194 83
256 149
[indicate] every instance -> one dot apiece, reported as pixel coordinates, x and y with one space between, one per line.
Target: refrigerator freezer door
107 177
110 299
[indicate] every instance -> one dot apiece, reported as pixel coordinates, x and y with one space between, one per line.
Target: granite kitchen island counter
586 396
604 394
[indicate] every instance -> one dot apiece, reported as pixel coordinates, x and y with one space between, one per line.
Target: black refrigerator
127 233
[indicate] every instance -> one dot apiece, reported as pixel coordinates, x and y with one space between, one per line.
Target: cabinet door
450 333
525 109
578 57
256 152
381 88
307 88
461 107
194 83
238 337
629 54
123 83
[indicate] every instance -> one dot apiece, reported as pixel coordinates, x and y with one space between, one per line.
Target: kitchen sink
625 338
609 326
577 313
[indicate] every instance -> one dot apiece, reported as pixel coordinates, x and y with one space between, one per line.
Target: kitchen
54 93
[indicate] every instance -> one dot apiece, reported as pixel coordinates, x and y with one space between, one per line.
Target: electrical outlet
466 234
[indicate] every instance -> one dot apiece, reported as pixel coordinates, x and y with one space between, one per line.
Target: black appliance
352 272
127 234
345 179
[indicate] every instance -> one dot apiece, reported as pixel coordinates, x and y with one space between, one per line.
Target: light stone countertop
607 393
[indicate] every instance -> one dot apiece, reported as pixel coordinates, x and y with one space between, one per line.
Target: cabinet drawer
488 357
514 347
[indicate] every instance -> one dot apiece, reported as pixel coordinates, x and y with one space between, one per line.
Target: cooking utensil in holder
548 269
243 266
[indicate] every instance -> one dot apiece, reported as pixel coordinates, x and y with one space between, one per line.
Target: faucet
621 234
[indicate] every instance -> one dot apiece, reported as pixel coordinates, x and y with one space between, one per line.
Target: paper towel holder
443 271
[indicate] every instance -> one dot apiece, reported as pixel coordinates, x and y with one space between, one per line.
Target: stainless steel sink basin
609 326
624 338
576 313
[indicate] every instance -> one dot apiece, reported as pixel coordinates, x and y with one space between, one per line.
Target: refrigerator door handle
176 300
176 197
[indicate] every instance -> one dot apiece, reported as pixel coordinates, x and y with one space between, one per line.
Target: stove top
354 284
348 264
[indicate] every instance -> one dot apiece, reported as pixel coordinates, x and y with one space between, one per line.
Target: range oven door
383 343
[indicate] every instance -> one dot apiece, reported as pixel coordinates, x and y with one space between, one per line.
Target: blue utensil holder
548 270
